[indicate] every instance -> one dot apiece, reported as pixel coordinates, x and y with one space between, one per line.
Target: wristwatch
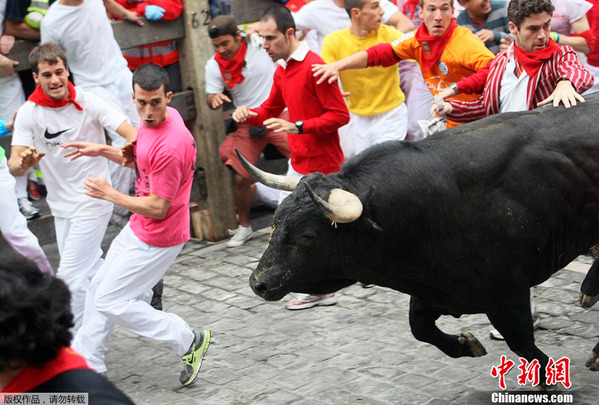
300 127
454 87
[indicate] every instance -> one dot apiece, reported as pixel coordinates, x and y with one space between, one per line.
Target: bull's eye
308 235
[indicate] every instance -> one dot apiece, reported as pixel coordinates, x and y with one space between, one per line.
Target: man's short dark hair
49 52
35 315
349 4
281 16
518 10
151 77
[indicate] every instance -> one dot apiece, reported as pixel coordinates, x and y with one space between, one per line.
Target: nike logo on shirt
49 135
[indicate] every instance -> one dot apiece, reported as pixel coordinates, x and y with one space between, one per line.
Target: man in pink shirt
164 155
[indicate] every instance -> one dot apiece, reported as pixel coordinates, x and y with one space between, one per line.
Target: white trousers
131 268
79 241
373 129
418 97
13 224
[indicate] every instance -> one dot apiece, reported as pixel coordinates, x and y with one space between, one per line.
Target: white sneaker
240 236
305 301
27 209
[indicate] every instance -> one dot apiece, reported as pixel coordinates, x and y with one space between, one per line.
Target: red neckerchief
231 69
532 61
433 47
39 97
30 377
410 7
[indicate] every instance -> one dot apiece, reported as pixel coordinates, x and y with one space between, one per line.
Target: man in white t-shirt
247 73
83 30
57 113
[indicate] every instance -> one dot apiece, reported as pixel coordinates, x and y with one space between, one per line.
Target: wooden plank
20 53
130 35
246 11
217 210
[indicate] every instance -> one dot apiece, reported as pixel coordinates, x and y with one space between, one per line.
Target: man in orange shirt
445 51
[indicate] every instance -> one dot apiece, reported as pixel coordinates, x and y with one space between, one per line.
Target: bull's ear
285 183
342 207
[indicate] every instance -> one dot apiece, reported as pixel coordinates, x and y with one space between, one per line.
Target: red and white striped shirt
563 64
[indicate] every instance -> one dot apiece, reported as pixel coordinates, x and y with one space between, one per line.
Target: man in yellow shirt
376 116
445 51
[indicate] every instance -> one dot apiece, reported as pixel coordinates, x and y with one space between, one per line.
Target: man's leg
134 271
91 340
13 225
244 192
79 242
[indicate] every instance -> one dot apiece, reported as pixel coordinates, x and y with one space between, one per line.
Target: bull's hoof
593 362
476 348
587 301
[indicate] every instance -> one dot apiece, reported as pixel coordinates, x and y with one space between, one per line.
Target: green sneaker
192 360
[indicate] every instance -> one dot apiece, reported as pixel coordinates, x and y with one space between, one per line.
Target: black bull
465 221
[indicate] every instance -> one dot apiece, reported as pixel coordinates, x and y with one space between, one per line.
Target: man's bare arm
151 206
331 71
23 158
21 29
127 131
75 150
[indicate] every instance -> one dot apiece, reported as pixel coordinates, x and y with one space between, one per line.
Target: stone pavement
359 351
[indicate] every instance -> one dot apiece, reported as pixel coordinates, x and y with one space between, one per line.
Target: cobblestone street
359 351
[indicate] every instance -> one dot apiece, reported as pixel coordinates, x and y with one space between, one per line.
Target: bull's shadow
465 221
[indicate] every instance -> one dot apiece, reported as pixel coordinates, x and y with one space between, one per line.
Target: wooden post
218 208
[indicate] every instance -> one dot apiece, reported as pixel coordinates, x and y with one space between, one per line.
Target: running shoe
192 360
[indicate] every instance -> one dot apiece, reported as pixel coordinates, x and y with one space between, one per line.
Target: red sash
231 69
39 97
532 61
433 47
30 377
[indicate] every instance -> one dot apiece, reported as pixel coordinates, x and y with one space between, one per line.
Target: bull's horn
343 207
285 183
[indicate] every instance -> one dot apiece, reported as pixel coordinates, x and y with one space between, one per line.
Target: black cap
222 25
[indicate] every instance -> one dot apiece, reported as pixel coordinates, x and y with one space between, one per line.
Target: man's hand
6 43
98 187
564 93
280 125
328 71
242 113
7 66
127 153
505 43
29 158
132 16
485 35
216 100
445 109
83 149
